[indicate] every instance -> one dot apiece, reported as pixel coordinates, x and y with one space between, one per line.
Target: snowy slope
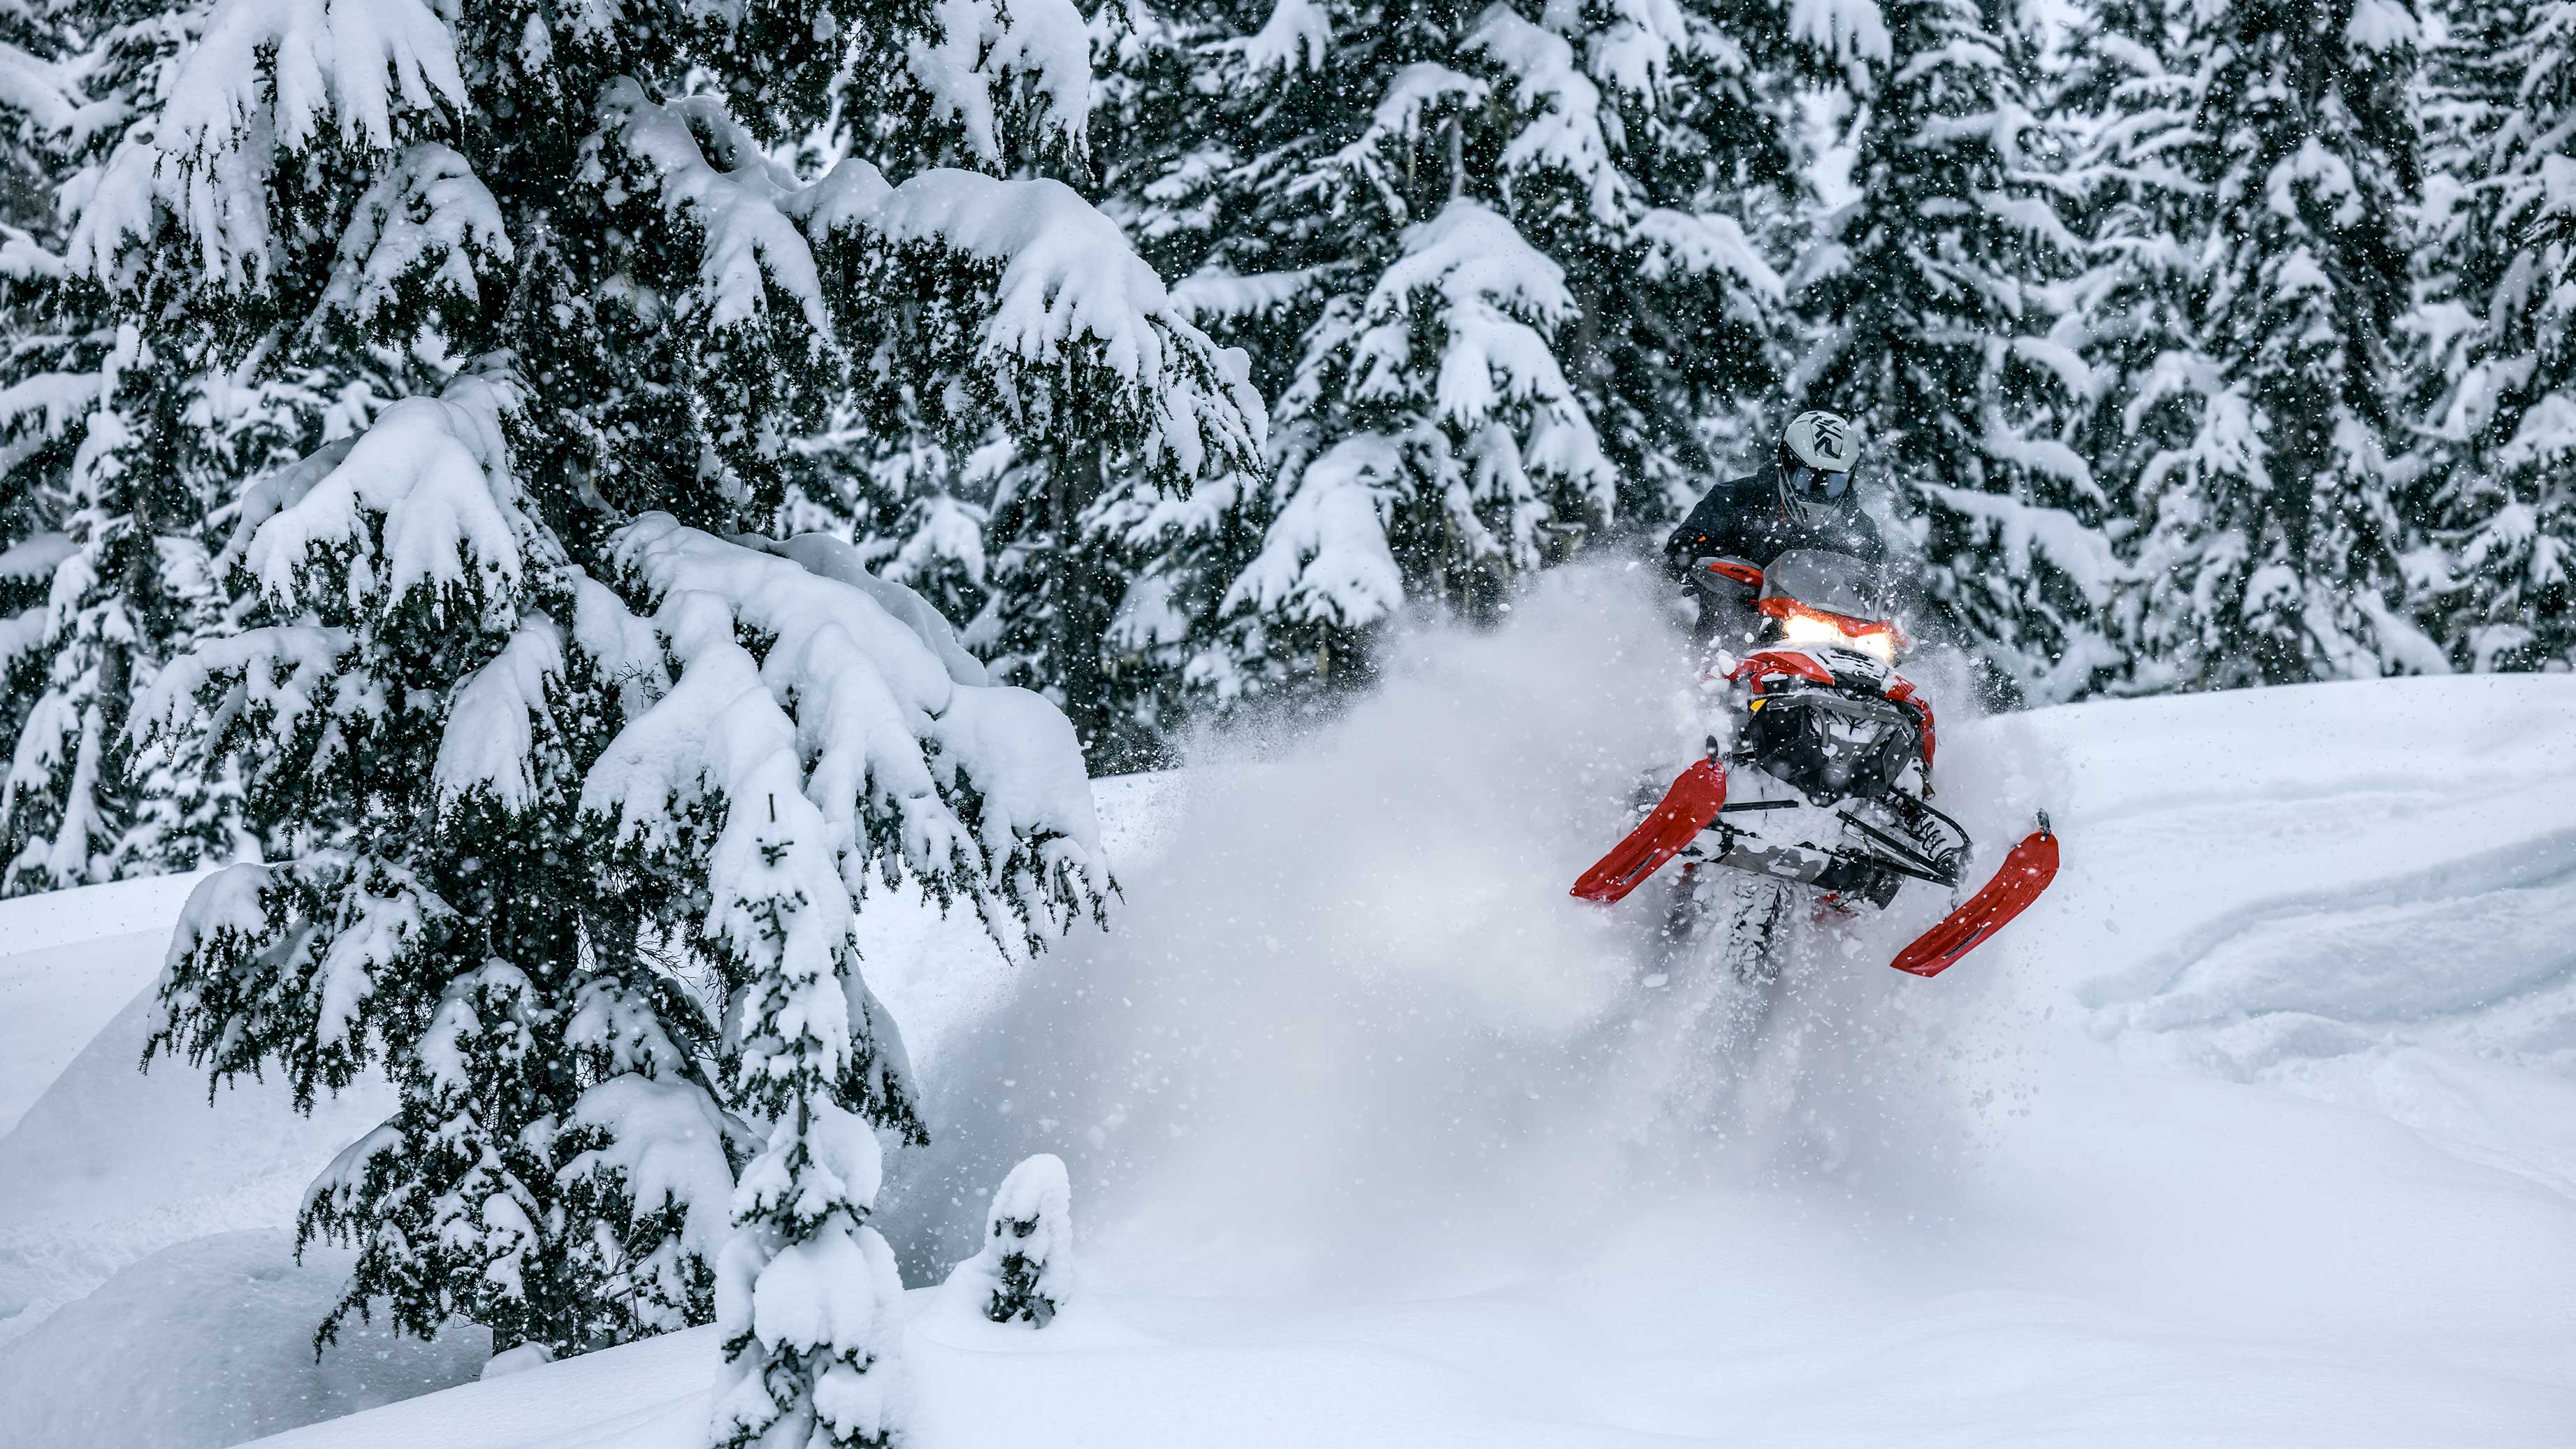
102 1166
69 961
2253 1132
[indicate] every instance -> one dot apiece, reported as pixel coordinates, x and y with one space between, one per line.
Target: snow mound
647 1395
210 1343
69 961
2404 944
111 1165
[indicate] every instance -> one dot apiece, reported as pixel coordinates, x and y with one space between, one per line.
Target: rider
1803 499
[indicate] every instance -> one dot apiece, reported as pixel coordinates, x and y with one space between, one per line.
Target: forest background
2196 345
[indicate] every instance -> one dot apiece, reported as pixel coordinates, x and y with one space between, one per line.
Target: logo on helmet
1820 440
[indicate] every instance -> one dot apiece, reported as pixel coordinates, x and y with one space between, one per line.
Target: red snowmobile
1832 766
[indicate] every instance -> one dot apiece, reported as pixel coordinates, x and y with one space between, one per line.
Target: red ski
2026 872
1698 793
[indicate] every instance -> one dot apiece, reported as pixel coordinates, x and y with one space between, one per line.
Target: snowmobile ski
2026 871
1697 794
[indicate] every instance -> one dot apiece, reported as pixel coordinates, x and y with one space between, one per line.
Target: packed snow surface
2254 1131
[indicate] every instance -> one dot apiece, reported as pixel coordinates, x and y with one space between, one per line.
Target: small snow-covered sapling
1028 1243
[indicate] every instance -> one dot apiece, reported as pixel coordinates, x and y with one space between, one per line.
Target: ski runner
1803 499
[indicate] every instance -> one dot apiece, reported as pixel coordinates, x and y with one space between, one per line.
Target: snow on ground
69 961
210 1343
110 1165
105 1166
2253 1132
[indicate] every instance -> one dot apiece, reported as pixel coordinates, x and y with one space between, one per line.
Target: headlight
1805 628
1808 629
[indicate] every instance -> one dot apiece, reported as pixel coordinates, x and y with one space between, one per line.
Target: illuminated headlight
1879 644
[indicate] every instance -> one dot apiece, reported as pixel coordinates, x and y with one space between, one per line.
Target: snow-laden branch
738 198
1325 558
1056 316
1637 50
1845 30
972 788
272 680
1704 243
423 501
1490 293
427 223
1375 158
490 740
2081 553
996 57
1068 322
1451 353
1562 132
1297 36
55 397
37 555
37 90
1209 294
266 79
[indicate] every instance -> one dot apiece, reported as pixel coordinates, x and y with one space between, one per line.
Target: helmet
1816 457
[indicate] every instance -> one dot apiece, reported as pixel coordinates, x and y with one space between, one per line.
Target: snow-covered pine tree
2126 101
1507 272
1937 302
35 116
992 525
613 771
2273 537
80 804
1024 1273
2500 328
134 431
111 551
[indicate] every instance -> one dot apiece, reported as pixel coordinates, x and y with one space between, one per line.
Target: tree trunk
1079 590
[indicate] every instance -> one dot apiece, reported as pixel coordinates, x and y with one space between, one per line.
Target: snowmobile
1831 766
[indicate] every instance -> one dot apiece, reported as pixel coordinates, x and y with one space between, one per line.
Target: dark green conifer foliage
2499 329
2272 542
1936 304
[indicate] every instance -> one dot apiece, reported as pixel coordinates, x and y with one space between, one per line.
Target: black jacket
1742 518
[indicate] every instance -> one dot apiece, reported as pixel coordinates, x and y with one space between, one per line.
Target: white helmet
1816 457
1821 440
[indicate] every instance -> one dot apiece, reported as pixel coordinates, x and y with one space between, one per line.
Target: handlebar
1732 570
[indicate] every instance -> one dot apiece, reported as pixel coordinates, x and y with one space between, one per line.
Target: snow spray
1347 1023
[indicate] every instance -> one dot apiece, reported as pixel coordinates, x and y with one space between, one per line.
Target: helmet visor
1813 485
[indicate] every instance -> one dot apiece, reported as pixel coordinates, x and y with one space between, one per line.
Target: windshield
1834 583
